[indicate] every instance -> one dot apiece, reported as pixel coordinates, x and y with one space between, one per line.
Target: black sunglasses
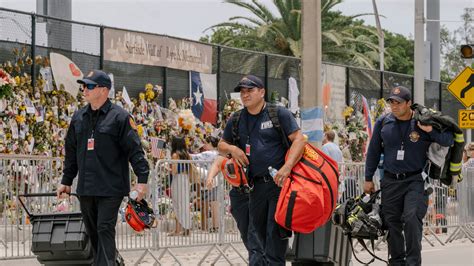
88 86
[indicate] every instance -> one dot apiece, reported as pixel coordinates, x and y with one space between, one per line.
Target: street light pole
419 84
381 36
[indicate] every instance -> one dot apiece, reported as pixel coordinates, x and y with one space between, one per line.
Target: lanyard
254 125
403 136
93 121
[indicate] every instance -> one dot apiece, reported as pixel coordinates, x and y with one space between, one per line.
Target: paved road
460 252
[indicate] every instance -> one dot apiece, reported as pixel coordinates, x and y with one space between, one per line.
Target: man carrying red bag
260 146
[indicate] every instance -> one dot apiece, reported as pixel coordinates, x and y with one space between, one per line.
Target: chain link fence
83 44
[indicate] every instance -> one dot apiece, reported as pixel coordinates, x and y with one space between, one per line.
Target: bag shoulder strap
372 253
384 120
235 127
273 114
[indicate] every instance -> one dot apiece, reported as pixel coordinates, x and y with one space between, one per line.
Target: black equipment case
326 245
59 238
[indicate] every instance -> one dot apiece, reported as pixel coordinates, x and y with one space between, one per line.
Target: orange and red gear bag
309 195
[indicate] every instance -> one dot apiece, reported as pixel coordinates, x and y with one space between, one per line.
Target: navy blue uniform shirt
267 148
415 144
103 171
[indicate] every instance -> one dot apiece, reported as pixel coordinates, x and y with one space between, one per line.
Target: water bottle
133 195
366 198
272 171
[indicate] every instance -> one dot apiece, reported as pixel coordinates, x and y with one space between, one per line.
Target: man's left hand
426 128
141 189
281 175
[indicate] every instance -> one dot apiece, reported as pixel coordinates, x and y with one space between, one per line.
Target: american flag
155 151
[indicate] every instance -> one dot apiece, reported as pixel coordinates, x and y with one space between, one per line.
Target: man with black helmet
404 143
260 146
100 143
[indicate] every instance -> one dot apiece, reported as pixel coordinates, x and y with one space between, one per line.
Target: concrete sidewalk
460 252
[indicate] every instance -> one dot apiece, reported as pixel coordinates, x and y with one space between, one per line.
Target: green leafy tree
452 63
399 53
344 39
230 37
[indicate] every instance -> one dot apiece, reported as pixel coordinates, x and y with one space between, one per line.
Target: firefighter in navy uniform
260 146
100 143
404 143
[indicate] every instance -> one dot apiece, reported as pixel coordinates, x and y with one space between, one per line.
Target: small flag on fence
312 123
157 146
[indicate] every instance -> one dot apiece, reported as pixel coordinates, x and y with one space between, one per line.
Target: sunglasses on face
89 86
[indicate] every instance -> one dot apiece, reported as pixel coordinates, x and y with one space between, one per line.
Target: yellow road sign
462 87
466 119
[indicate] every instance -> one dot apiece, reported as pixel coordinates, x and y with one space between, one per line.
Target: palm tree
343 39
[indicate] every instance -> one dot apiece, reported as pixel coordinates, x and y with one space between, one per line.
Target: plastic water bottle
272 171
133 194
366 198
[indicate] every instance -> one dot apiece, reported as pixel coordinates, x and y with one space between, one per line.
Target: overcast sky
189 18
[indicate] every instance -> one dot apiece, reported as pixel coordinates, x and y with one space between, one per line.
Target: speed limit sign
466 119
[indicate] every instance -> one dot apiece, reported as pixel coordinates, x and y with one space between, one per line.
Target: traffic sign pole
468 131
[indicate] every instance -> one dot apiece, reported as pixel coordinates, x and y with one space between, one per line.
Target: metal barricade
450 213
19 175
39 174
189 214
180 199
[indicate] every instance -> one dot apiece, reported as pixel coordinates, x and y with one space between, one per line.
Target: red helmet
139 216
233 173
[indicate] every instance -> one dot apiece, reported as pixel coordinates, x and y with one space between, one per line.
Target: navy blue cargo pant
263 201
404 204
100 216
239 207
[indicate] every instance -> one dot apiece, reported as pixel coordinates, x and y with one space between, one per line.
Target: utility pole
419 84
433 37
311 91
381 36
59 34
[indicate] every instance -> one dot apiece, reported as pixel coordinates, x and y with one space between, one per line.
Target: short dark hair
213 141
330 135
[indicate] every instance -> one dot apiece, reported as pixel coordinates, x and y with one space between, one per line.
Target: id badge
400 155
247 149
90 144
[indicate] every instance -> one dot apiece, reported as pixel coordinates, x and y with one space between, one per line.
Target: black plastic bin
326 245
59 238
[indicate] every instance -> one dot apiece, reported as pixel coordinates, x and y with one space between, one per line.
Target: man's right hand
209 182
239 156
63 189
369 187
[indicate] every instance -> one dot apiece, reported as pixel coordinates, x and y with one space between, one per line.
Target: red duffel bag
309 195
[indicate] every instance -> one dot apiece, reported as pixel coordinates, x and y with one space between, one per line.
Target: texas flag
204 95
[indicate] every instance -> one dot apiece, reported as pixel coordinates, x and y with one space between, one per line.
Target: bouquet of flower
6 84
186 120
231 106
